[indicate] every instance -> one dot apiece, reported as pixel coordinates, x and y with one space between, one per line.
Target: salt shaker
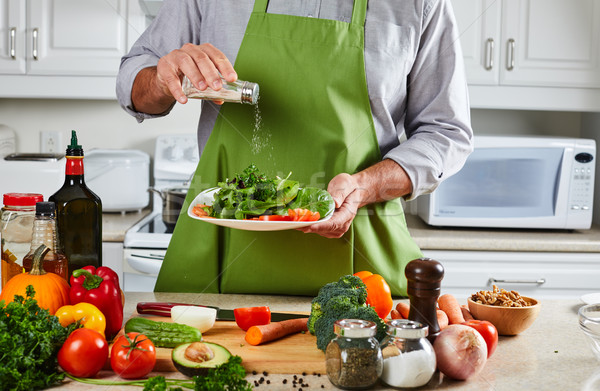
353 358
424 277
238 91
408 356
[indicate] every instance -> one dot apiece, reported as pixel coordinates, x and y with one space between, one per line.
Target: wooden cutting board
293 354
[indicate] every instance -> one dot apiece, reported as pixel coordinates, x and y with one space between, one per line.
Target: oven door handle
147 264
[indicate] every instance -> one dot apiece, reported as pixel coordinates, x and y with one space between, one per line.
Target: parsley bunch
29 342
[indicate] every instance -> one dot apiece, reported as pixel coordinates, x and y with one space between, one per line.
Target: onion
202 318
461 351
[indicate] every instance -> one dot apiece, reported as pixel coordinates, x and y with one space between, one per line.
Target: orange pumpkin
51 290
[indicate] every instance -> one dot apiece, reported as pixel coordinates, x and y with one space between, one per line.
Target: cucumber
163 334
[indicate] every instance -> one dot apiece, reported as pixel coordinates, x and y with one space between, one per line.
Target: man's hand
383 181
155 88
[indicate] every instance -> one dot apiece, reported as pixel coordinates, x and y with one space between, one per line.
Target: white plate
207 197
591 298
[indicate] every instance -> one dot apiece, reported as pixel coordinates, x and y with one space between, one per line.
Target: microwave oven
518 182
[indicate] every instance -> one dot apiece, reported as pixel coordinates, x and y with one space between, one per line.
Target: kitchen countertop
485 239
551 355
114 225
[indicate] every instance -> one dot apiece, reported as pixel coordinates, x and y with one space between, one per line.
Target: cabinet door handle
539 281
34 51
489 54
510 58
13 43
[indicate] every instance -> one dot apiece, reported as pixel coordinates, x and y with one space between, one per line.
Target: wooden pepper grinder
424 277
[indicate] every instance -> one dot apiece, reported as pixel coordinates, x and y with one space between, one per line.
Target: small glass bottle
16 224
44 232
408 356
238 92
353 358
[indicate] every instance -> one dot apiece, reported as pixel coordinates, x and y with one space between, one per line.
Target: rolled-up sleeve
437 121
176 23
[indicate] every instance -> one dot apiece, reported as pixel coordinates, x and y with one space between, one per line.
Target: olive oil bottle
78 213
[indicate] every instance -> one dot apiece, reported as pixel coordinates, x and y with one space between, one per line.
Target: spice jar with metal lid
408 357
16 224
238 91
353 358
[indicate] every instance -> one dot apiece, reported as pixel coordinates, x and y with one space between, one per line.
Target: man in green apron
319 124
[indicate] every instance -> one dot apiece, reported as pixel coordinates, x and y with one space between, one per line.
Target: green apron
317 123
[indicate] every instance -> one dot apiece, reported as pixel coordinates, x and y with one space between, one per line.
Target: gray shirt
413 62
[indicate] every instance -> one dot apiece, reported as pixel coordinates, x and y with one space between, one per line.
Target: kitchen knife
164 309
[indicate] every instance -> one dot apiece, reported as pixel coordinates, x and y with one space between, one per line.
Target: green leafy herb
29 342
229 376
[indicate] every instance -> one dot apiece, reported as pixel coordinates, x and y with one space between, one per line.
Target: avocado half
196 358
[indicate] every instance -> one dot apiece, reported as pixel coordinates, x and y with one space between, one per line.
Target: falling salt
261 139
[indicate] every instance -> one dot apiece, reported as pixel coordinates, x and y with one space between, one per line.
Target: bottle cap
22 199
44 209
74 149
404 328
354 328
250 93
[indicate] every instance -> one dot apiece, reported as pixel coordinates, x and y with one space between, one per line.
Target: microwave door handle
540 281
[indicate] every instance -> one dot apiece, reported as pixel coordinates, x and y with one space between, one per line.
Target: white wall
99 123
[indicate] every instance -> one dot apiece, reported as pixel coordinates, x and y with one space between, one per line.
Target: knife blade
164 309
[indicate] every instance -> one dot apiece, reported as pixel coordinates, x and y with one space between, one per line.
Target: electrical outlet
50 142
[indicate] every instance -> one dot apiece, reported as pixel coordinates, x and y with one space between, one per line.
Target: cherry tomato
247 317
488 332
132 356
84 353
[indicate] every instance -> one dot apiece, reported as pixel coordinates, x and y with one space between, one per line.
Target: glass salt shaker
408 357
238 91
353 358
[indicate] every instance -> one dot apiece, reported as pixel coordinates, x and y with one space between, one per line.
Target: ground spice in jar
353 358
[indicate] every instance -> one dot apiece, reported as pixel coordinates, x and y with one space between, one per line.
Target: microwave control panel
581 195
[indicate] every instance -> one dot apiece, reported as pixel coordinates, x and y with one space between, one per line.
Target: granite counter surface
552 354
483 239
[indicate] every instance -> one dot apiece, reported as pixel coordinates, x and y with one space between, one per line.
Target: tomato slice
247 317
275 218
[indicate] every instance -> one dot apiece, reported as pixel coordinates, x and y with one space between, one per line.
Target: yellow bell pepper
88 314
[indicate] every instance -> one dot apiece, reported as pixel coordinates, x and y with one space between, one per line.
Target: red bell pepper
99 287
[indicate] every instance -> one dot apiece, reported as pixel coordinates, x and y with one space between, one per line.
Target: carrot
450 306
442 319
403 308
275 330
394 314
466 313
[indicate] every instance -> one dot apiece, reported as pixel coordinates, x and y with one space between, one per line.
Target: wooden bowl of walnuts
508 311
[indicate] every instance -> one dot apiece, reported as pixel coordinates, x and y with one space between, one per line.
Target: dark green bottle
78 213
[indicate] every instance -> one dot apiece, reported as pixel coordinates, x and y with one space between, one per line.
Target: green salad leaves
252 194
29 342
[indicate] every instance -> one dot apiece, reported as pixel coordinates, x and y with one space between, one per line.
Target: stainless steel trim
34 51
539 281
489 54
13 43
510 57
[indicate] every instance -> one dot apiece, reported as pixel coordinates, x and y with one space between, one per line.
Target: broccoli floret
345 299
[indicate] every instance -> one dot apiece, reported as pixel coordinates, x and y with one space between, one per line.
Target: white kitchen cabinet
65 48
538 54
541 275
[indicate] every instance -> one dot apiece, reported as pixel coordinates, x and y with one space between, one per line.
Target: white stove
145 244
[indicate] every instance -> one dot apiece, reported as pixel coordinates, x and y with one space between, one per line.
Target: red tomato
488 332
275 218
132 356
247 317
84 353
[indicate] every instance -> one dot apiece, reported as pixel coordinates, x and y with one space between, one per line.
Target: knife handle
162 309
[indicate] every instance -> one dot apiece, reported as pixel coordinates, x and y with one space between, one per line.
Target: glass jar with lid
16 224
408 357
353 358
